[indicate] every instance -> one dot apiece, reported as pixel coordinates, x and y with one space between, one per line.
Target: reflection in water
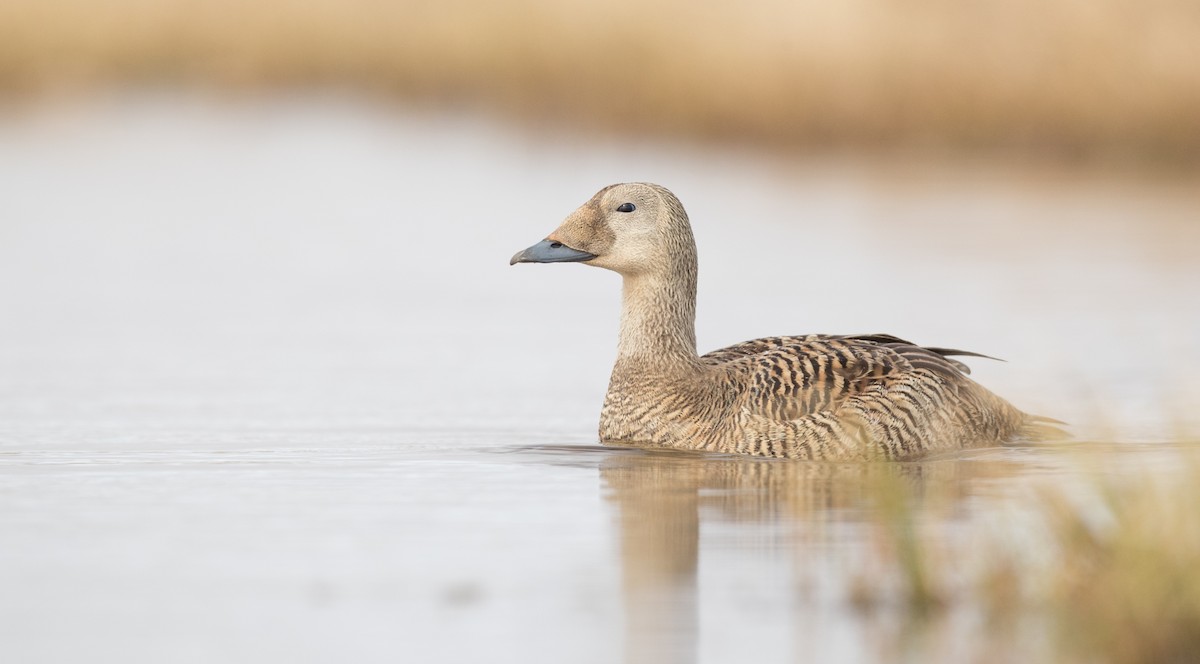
663 498
660 539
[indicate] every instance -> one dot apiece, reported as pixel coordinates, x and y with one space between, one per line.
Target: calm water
269 390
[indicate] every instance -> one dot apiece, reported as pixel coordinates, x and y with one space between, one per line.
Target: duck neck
658 318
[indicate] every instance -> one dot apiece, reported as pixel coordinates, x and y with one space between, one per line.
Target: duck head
627 228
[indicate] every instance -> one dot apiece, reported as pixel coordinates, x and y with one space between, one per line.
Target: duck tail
1037 428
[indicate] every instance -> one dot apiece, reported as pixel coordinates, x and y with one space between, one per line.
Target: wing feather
792 377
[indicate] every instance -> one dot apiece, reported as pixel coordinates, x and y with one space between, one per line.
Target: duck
823 397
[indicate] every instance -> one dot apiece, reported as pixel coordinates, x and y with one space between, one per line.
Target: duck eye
626 207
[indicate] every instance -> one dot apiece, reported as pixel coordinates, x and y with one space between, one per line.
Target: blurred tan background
1096 80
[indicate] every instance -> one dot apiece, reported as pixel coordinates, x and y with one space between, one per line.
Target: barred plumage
808 397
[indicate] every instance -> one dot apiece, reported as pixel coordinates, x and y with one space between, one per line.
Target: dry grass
1126 587
1076 77
1113 575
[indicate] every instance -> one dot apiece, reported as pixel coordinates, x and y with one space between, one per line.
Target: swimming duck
829 397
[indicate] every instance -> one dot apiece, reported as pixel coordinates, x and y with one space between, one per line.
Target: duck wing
786 378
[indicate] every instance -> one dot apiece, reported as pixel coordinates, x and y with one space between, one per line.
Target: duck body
821 397
809 397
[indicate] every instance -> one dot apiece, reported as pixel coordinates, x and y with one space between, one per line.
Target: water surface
270 391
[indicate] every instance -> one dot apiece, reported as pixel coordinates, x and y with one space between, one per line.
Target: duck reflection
663 497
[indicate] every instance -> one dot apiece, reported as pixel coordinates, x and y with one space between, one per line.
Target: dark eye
626 207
